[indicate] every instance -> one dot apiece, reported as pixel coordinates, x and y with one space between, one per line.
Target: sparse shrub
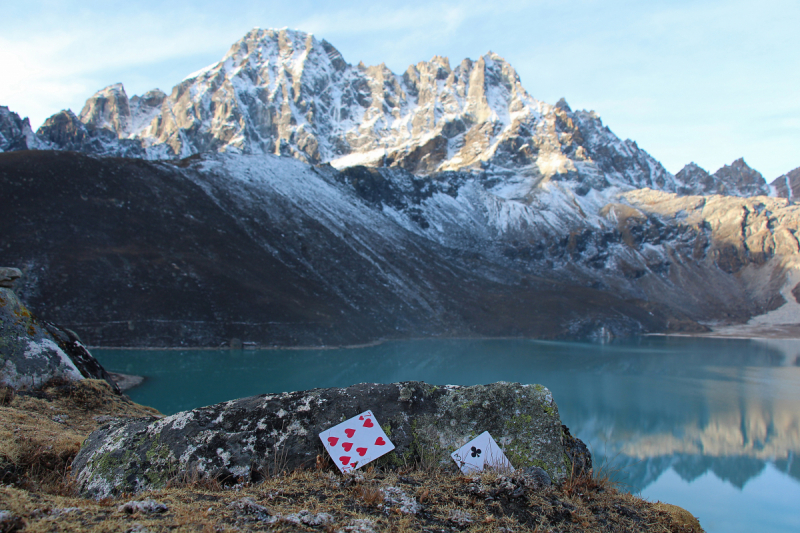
369 494
6 395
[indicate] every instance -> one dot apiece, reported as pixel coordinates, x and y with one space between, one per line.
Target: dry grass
418 497
449 502
41 431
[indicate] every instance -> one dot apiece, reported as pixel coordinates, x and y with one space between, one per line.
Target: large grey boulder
33 351
248 437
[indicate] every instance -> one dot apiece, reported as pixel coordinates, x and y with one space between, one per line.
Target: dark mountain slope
130 252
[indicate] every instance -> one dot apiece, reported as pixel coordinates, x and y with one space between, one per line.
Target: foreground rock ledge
250 437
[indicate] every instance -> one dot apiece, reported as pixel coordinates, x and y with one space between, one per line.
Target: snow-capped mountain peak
287 93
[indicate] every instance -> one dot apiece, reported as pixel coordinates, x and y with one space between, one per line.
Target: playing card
479 453
356 442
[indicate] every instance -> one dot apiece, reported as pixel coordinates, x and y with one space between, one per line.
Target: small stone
403 502
142 506
61 511
535 477
248 509
10 522
8 276
459 517
309 519
406 394
359 525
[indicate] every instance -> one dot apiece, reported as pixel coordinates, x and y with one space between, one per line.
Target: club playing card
356 442
479 453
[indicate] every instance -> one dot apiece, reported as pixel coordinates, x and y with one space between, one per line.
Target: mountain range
284 196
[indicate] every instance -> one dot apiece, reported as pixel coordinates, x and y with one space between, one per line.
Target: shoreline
741 331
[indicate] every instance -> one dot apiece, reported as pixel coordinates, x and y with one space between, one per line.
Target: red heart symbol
344 459
349 433
353 464
347 446
379 442
361 417
361 451
333 440
368 423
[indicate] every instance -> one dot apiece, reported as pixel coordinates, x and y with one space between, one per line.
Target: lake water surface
712 425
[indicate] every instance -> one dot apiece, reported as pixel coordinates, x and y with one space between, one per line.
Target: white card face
356 442
480 453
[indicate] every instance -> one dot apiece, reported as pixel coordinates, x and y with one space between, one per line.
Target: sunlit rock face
787 185
111 109
750 240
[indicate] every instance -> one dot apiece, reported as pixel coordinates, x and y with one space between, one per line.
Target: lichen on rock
245 438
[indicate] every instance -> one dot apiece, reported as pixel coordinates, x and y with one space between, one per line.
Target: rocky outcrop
15 132
246 438
696 180
736 179
110 109
8 276
787 185
66 131
739 179
33 352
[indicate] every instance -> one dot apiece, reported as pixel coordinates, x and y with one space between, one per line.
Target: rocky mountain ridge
360 204
284 92
270 250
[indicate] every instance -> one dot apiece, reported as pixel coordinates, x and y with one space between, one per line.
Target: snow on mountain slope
271 250
707 258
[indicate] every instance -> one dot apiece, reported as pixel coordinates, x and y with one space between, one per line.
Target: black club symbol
476 452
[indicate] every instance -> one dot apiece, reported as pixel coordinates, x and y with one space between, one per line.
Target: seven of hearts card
356 442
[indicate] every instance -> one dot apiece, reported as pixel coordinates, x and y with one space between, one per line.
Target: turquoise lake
712 425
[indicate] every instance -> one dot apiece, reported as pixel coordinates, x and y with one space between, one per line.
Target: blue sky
707 81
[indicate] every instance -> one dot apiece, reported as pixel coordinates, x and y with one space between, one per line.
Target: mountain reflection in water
646 405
